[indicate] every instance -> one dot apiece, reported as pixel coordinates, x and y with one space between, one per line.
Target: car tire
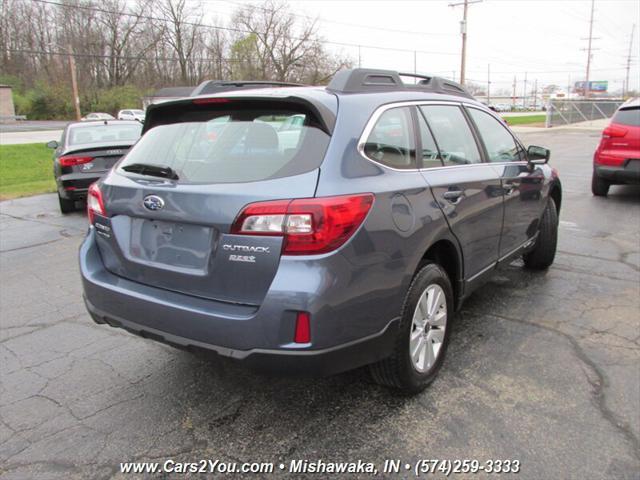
400 370
543 253
599 186
66 205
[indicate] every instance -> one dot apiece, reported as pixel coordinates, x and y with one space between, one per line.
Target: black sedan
86 151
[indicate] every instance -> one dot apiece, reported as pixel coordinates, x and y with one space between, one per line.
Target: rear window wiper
151 170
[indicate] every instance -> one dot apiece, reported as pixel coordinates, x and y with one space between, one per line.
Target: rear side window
500 145
628 116
430 155
452 132
391 141
232 146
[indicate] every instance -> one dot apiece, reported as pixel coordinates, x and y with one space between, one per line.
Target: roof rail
218 86
362 80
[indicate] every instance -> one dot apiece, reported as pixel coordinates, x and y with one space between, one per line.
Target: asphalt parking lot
543 367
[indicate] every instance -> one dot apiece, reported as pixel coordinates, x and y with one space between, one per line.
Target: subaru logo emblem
153 202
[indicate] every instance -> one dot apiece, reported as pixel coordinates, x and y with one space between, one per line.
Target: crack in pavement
621 258
599 386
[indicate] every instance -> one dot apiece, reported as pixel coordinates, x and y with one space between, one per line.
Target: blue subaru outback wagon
316 229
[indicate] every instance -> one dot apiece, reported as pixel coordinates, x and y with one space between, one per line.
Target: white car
131 115
97 116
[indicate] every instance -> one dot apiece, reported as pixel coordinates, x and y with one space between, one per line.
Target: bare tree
143 45
121 28
284 49
183 35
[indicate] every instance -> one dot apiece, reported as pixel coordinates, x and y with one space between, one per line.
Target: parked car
97 116
85 152
131 115
617 158
352 246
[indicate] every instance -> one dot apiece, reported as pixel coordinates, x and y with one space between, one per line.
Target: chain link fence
565 112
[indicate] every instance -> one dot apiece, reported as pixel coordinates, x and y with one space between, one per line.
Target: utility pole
589 50
513 99
626 82
489 84
74 79
74 83
463 31
535 94
524 92
415 63
359 58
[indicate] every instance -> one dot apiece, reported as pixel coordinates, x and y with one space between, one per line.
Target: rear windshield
103 133
628 116
230 146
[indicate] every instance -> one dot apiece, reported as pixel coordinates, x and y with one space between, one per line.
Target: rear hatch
621 138
171 202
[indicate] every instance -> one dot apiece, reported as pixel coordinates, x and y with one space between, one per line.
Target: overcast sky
540 37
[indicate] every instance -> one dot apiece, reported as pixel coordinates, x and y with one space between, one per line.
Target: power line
551 71
121 57
347 24
232 29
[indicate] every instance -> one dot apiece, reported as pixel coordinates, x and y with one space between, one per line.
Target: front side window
452 132
500 145
391 142
231 145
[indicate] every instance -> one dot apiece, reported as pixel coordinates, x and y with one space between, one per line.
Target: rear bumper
260 337
628 172
74 186
327 361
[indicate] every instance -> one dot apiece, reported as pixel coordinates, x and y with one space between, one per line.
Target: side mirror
52 144
538 155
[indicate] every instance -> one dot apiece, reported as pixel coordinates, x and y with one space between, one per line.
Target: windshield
138 112
231 146
81 135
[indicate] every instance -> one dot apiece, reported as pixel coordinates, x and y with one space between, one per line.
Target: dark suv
316 229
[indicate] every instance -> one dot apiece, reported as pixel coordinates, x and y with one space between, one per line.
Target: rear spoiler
173 111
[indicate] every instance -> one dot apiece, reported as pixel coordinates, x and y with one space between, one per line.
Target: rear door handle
453 195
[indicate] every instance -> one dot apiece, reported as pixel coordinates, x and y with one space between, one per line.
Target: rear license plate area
171 244
99 164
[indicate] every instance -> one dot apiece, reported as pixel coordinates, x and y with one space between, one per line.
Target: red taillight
614 131
207 101
71 160
309 225
303 328
95 203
